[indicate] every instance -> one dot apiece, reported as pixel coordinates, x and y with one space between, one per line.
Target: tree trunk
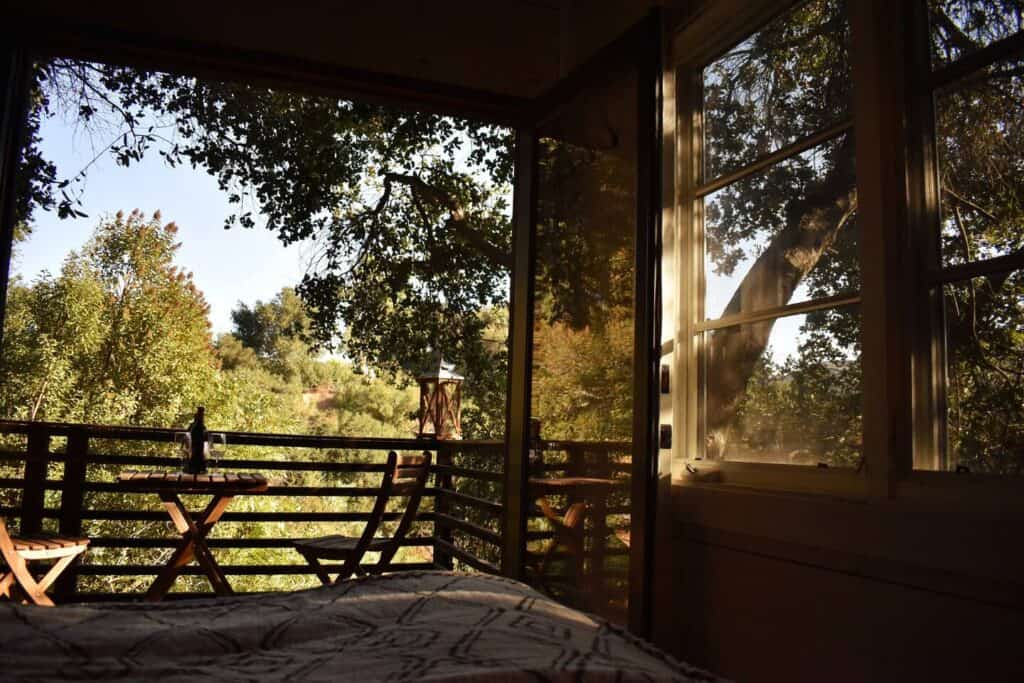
812 224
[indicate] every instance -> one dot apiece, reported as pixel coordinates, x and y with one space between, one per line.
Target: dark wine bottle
197 433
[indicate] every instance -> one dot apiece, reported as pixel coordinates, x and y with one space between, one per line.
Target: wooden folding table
194 528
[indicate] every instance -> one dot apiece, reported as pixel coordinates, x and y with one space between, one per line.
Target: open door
582 445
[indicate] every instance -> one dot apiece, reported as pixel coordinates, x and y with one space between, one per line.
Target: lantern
440 401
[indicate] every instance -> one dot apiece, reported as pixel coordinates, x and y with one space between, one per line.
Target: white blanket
410 626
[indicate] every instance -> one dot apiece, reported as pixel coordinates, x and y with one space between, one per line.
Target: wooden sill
842 483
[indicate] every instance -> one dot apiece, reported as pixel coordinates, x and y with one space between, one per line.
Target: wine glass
183 440
218 444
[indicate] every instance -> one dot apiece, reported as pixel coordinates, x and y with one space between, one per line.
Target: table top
195 483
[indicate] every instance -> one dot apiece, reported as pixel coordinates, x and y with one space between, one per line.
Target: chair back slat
410 479
410 470
379 507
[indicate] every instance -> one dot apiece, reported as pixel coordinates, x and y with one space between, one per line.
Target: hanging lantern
440 401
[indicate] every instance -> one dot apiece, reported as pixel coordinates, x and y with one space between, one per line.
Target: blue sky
228 265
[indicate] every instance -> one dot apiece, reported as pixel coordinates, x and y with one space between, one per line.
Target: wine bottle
197 434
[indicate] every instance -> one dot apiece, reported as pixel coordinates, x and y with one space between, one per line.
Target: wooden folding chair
403 476
18 551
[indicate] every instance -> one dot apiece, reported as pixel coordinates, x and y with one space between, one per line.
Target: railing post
442 506
576 466
37 459
71 499
599 532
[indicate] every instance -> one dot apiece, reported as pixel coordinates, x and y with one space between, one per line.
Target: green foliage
121 336
409 211
582 380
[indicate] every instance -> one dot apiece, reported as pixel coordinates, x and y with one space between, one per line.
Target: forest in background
121 336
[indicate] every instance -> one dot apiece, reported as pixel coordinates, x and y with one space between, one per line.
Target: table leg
193 545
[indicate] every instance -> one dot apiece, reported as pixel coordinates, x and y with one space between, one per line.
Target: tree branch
456 223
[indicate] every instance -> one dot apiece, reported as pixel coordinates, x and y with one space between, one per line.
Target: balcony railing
62 478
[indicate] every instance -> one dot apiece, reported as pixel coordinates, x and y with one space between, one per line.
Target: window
977 269
776 322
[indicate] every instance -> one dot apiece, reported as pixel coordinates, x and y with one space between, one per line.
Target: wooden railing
61 478
607 551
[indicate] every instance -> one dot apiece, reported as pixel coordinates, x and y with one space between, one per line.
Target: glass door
589 441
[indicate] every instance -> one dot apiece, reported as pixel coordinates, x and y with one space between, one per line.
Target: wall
883 574
756 617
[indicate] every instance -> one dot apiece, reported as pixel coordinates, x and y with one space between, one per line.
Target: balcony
62 478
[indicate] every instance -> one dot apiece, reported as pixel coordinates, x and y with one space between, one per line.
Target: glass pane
785 391
980 128
583 349
785 235
985 374
788 80
960 27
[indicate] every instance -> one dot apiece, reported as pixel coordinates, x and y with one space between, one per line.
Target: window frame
902 348
932 451
691 190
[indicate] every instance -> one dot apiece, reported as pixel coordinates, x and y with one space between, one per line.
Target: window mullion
779 155
836 301
879 71
965 271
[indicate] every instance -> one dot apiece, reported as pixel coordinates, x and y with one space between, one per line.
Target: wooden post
14 102
32 494
443 481
515 504
576 466
71 505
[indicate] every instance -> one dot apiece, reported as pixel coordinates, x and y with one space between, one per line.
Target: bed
409 626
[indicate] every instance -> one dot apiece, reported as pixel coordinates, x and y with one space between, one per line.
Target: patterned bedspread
411 626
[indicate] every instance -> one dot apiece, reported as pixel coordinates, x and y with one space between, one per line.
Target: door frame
639 48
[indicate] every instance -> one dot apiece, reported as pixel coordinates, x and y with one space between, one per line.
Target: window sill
840 483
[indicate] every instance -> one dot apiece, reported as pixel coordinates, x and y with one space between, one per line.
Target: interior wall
754 617
925 582
773 587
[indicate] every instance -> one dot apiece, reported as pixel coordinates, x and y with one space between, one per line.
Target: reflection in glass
980 131
960 27
784 235
985 373
785 391
788 80
582 380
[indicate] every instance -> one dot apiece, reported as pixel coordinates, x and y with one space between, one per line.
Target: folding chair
403 476
18 551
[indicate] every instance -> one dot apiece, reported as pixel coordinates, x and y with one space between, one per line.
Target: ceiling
507 47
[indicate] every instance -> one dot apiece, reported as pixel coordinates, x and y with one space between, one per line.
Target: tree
409 209
121 336
277 332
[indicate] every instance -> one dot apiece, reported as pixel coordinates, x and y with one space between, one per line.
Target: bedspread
422 626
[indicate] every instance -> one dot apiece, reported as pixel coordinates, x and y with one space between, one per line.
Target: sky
229 266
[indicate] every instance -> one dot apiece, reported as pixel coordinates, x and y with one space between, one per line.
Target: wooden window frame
729 25
902 348
926 481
